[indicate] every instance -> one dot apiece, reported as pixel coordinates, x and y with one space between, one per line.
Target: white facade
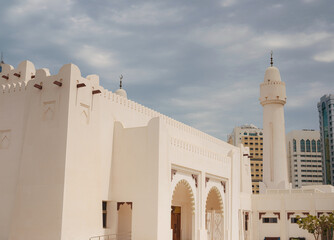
73 153
304 157
273 212
78 161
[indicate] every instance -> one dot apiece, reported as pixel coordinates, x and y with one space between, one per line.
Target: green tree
318 226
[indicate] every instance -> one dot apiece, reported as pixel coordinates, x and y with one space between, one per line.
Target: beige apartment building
252 137
304 157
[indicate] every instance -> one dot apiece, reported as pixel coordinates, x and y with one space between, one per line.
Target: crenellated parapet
22 74
272 92
83 90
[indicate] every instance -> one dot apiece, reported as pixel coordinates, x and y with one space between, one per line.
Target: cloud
96 57
242 38
150 14
327 56
228 3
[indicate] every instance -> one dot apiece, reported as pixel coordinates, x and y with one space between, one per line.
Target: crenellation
68 72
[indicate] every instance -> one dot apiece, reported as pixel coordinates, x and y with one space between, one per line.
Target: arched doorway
182 215
214 215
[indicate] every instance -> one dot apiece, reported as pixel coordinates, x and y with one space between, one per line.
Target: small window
104 213
294 220
269 220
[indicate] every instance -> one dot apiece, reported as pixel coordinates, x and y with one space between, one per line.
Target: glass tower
326 112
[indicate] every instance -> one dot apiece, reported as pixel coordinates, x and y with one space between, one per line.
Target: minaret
273 98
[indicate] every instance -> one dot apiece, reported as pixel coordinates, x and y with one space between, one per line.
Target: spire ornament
2 58
271 58
120 81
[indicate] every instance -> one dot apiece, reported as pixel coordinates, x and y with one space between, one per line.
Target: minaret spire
271 58
2 58
120 81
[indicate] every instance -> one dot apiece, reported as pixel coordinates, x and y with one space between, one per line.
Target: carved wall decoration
278 215
289 214
261 214
173 172
195 177
224 185
207 180
85 113
5 139
49 110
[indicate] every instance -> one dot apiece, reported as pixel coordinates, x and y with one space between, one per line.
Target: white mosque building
80 162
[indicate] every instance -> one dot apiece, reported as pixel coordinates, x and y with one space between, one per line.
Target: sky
199 62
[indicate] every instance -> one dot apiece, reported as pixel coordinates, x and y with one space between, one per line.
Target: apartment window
294 145
302 145
269 220
308 146
318 146
294 220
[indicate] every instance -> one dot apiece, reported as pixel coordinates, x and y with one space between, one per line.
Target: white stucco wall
69 150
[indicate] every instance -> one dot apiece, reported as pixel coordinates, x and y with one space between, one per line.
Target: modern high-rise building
304 157
326 121
252 137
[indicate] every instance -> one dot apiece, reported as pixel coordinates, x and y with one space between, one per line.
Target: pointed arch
214 198
184 183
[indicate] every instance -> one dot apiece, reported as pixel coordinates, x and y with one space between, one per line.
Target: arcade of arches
183 214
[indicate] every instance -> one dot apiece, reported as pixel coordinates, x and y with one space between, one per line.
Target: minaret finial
120 81
271 58
2 58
